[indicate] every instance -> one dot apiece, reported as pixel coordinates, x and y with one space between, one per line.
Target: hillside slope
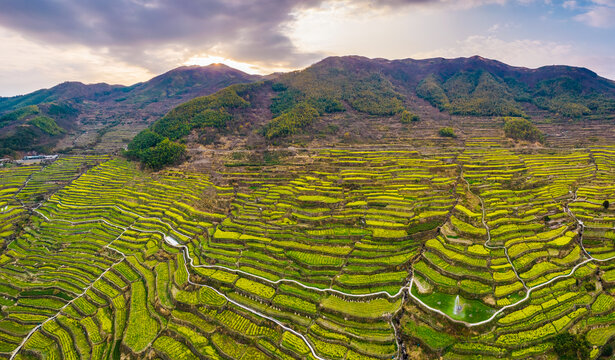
99 108
35 128
365 100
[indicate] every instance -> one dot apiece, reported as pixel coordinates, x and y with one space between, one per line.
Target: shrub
407 117
447 132
522 129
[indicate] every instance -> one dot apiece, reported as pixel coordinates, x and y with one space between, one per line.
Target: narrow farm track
190 260
238 271
499 311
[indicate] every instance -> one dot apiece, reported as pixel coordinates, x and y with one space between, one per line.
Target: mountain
353 98
186 82
178 84
338 99
35 127
97 109
67 91
479 86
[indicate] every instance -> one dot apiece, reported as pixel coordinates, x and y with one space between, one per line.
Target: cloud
157 34
85 40
449 4
26 65
144 37
600 14
136 30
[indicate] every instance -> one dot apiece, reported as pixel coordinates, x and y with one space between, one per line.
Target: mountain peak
210 68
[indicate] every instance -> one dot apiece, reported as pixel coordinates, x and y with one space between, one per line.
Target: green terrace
485 253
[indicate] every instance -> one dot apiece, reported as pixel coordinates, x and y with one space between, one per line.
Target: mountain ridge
432 88
67 90
99 108
556 69
346 97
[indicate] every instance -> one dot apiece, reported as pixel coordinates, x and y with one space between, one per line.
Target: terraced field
480 252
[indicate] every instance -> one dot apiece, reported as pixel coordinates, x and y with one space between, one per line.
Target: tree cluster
18 114
46 124
326 86
32 128
571 347
154 150
447 132
522 129
477 93
198 113
406 117
430 90
287 98
291 122
481 93
155 146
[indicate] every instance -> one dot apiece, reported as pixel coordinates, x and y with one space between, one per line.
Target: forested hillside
311 101
99 108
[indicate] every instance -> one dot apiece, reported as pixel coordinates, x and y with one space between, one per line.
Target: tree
407 117
167 152
145 139
571 347
447 132
522 129
606 204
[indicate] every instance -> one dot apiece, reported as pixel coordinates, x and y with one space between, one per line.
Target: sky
46 42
